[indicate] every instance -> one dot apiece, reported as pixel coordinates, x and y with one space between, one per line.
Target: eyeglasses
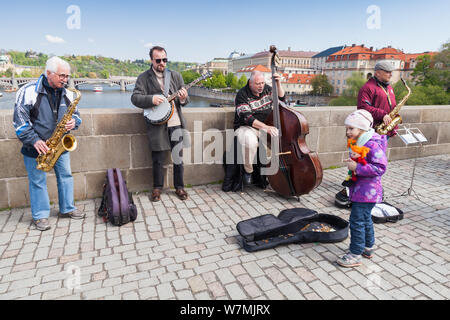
62 76
159 60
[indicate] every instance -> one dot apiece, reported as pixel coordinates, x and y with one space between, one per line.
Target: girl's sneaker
368 253
350 260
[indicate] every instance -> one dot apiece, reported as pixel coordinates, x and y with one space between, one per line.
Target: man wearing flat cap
377 95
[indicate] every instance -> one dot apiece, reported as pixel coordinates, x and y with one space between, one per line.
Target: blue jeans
361 227
37 182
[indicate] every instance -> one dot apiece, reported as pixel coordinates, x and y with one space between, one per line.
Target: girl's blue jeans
361 227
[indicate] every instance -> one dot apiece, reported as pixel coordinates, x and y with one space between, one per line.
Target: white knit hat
361 119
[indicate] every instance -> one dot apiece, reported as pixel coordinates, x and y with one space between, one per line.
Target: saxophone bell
69 142
59 142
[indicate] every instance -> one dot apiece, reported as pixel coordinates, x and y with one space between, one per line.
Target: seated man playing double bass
253 105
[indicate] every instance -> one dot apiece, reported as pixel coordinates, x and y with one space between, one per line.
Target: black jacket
250 107
146 86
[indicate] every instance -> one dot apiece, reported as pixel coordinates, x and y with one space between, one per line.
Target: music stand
412 136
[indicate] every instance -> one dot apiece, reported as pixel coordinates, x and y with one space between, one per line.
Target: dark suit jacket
146 86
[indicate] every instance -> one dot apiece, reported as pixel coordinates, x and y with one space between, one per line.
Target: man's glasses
62 76
159 60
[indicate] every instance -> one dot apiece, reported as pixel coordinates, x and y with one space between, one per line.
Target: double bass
299 169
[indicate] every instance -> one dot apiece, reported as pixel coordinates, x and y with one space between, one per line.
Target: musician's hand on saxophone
41 147
70 125
387 119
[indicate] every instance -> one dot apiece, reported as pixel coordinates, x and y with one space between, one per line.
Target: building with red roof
288 59
341 64
297 83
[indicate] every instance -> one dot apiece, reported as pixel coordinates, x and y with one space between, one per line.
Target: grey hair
53 63
254 74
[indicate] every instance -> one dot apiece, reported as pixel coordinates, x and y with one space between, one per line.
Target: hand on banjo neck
182 94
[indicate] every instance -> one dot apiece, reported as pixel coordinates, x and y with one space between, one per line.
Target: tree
354 83
321 85
104 74
218 81
189 76
442 66
423 73
242 81
429 95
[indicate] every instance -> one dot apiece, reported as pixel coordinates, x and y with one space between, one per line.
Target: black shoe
341 199
247 179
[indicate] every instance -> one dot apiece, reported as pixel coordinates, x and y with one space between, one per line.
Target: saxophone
59 141
382 128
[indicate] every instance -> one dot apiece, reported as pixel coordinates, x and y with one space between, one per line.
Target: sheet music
408 138
411 135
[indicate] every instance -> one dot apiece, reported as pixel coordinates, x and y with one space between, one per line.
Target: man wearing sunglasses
147 93
39 107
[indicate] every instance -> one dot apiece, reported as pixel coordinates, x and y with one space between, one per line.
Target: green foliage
400 90
343 101
26 74
28 58
102 66
429 95
242 81
218 81
321 85
354 83
434 71
189 76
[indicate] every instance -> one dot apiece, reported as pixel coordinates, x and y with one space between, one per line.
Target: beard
160 68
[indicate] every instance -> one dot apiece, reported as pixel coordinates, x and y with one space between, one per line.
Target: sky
200 30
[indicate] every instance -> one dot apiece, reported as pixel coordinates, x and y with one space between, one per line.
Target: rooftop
255 68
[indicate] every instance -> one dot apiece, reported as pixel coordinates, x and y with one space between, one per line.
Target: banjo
161 113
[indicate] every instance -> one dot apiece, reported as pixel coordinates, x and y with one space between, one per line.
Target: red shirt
373 97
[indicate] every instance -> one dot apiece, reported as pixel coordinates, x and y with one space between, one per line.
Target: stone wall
117 138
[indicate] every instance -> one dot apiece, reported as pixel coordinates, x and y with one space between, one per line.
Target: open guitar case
268 231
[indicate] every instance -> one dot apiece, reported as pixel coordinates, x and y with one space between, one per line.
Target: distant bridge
122 82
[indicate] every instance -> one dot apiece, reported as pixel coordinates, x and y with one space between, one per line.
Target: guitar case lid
291 226
257 227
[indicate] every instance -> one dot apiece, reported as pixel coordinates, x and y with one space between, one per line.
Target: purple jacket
373 98
367 187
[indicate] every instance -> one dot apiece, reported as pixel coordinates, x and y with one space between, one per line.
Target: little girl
366 191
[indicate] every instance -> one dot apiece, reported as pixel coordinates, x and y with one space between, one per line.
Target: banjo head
159 114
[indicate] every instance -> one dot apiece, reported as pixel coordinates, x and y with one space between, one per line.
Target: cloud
54 39
148 45
91 40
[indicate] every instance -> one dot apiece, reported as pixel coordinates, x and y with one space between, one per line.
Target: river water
111 97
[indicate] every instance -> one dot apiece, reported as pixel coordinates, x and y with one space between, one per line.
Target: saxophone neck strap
387 94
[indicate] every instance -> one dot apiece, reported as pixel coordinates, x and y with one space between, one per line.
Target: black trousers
158 161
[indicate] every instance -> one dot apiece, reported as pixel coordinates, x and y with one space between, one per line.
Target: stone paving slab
191 250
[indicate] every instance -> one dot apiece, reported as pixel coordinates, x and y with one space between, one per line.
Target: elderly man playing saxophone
38 109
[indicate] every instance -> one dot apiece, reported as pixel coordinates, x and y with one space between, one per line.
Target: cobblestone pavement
190 250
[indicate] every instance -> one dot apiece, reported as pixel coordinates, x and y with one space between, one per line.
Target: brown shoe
156 195
182 195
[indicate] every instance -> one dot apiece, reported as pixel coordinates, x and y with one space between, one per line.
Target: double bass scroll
299 169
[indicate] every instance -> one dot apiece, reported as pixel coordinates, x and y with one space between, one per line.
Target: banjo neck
193 83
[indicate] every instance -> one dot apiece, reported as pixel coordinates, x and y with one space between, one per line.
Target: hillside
93 66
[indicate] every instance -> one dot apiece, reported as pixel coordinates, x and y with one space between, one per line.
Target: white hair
53 63
255 74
